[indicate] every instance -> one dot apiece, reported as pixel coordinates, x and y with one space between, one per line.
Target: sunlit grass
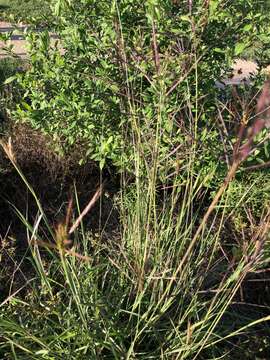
128 297
164 284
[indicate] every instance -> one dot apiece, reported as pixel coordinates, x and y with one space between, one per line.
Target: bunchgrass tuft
150 291
166 283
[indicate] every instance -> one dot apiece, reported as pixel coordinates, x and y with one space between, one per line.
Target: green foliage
253 189
37 12
135 87
127 297
137 70
10 93
8 68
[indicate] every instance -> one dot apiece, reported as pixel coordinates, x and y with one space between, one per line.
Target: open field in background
36 11
134 197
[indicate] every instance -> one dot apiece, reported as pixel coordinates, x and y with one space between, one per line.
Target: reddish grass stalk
241 155
87 208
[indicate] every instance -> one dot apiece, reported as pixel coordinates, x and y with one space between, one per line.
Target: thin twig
216 199
87 208
155 48
240 156
183 77
257 167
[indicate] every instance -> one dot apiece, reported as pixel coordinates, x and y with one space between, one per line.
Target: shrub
134 70
135 88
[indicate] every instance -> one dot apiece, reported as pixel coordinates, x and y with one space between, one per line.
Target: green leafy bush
135 87
137 70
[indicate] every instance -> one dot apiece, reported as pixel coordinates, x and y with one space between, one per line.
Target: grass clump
170 280
127 297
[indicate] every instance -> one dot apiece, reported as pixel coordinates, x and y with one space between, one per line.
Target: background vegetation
169 257
33 11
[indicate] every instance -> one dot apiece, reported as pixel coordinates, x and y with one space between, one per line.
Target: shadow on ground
53 180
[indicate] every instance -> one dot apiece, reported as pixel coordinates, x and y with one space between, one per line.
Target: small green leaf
240 47
185 18
26 106
10 79
247 27
218 50
213 7
42 352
